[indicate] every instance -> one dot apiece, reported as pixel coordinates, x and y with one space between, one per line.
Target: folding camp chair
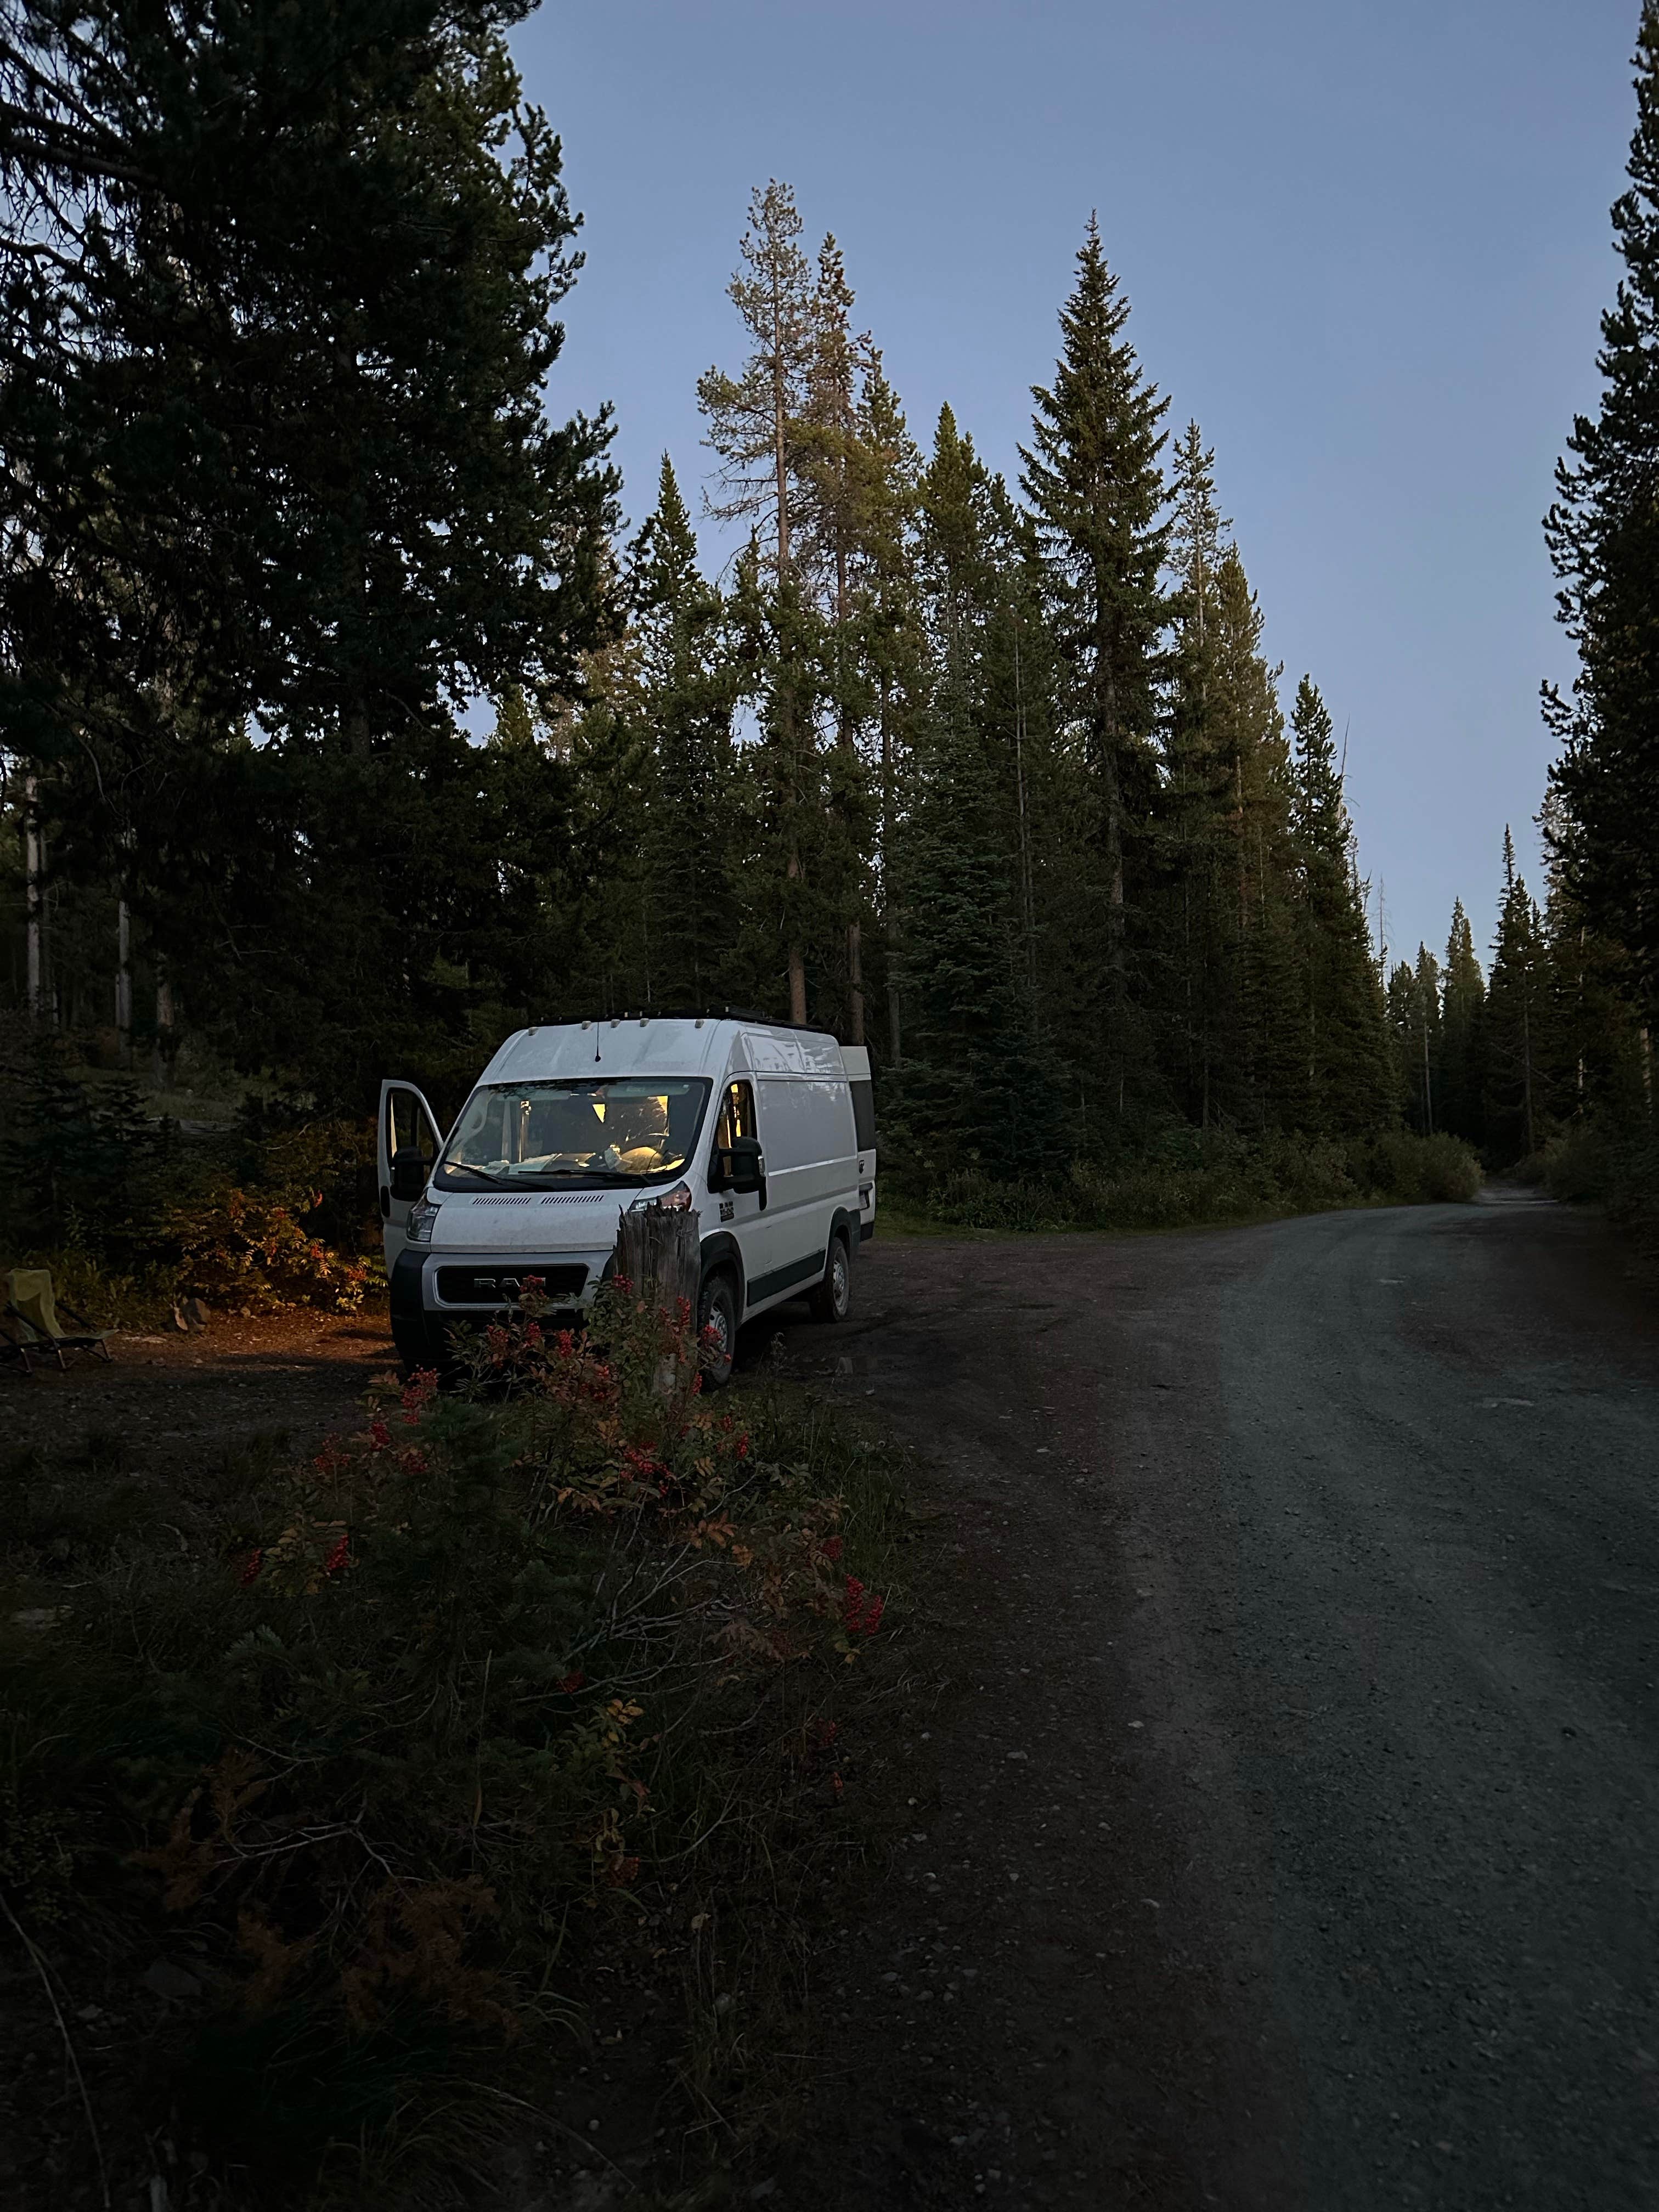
13 1350
37 1332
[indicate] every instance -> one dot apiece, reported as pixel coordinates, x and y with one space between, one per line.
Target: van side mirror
408 1173
741 1166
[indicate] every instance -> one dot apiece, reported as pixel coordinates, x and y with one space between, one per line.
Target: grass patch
1193 1179
352 1808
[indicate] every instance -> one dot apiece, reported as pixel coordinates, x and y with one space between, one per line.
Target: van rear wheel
717 1330
832 1298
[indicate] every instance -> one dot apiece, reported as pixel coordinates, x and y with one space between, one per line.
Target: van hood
522 1221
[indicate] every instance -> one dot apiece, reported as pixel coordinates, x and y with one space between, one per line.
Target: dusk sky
1366 246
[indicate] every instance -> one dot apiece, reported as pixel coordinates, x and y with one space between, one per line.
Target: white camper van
766 1133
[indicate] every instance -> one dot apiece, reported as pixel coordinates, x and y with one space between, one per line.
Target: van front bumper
435 1291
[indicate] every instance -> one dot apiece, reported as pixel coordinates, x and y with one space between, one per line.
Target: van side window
737 1116
408 1129
864 1115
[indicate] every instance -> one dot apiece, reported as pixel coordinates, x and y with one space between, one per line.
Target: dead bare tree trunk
167 1031
797 963
124 982
1027 909
34 866
659 1252
889 907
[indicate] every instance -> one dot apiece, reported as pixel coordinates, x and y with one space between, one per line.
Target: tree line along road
1286 1749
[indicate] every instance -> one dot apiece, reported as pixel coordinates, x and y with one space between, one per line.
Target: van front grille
500 1287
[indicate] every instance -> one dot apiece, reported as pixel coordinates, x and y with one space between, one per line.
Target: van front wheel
717 1330
832 1298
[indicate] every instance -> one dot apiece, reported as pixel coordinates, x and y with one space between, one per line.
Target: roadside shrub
260 1243
1587 1163
1187 1178
1598 1162
1403 1169
253 1254
413 1740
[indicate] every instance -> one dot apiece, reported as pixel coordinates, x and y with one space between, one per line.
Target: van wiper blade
602 1178
465 1167
608 1176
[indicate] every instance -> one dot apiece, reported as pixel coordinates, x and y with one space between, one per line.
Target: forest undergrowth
348 1809
1612 1164
1190 1178
271 1207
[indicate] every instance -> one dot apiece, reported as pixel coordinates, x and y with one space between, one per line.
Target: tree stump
659 1250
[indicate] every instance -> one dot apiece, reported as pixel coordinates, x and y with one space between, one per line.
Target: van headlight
417 1229
678 1200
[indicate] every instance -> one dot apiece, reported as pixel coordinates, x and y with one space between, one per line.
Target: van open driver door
407 1152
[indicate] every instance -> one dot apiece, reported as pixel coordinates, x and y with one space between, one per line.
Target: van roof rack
709 1014
771 1021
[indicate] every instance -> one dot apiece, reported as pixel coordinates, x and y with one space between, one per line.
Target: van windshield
534 1134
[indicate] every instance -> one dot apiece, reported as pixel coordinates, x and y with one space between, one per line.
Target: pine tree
1518 1020
1093 476
1197 533
1463 1044
686 694
1426 1041
826 434
1041 777
568 785
794 875
1603 537
280 291
841 479
754 417
754 427
1250 755
1597 1046
892 645
1400 999
1341 1042
1196 936
1414 1019
973 1086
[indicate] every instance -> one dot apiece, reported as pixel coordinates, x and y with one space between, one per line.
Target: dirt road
1286 1829
168 1401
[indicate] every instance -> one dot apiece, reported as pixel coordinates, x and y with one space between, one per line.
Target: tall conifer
1196 937
1603 536
686 693
835 472
1597 1042
1342 1047
973 1077
1093 476
754 427
1518 1020
892 645
1463 1025
1250 753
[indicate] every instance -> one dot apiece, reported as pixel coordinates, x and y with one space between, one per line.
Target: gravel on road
1286 1755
